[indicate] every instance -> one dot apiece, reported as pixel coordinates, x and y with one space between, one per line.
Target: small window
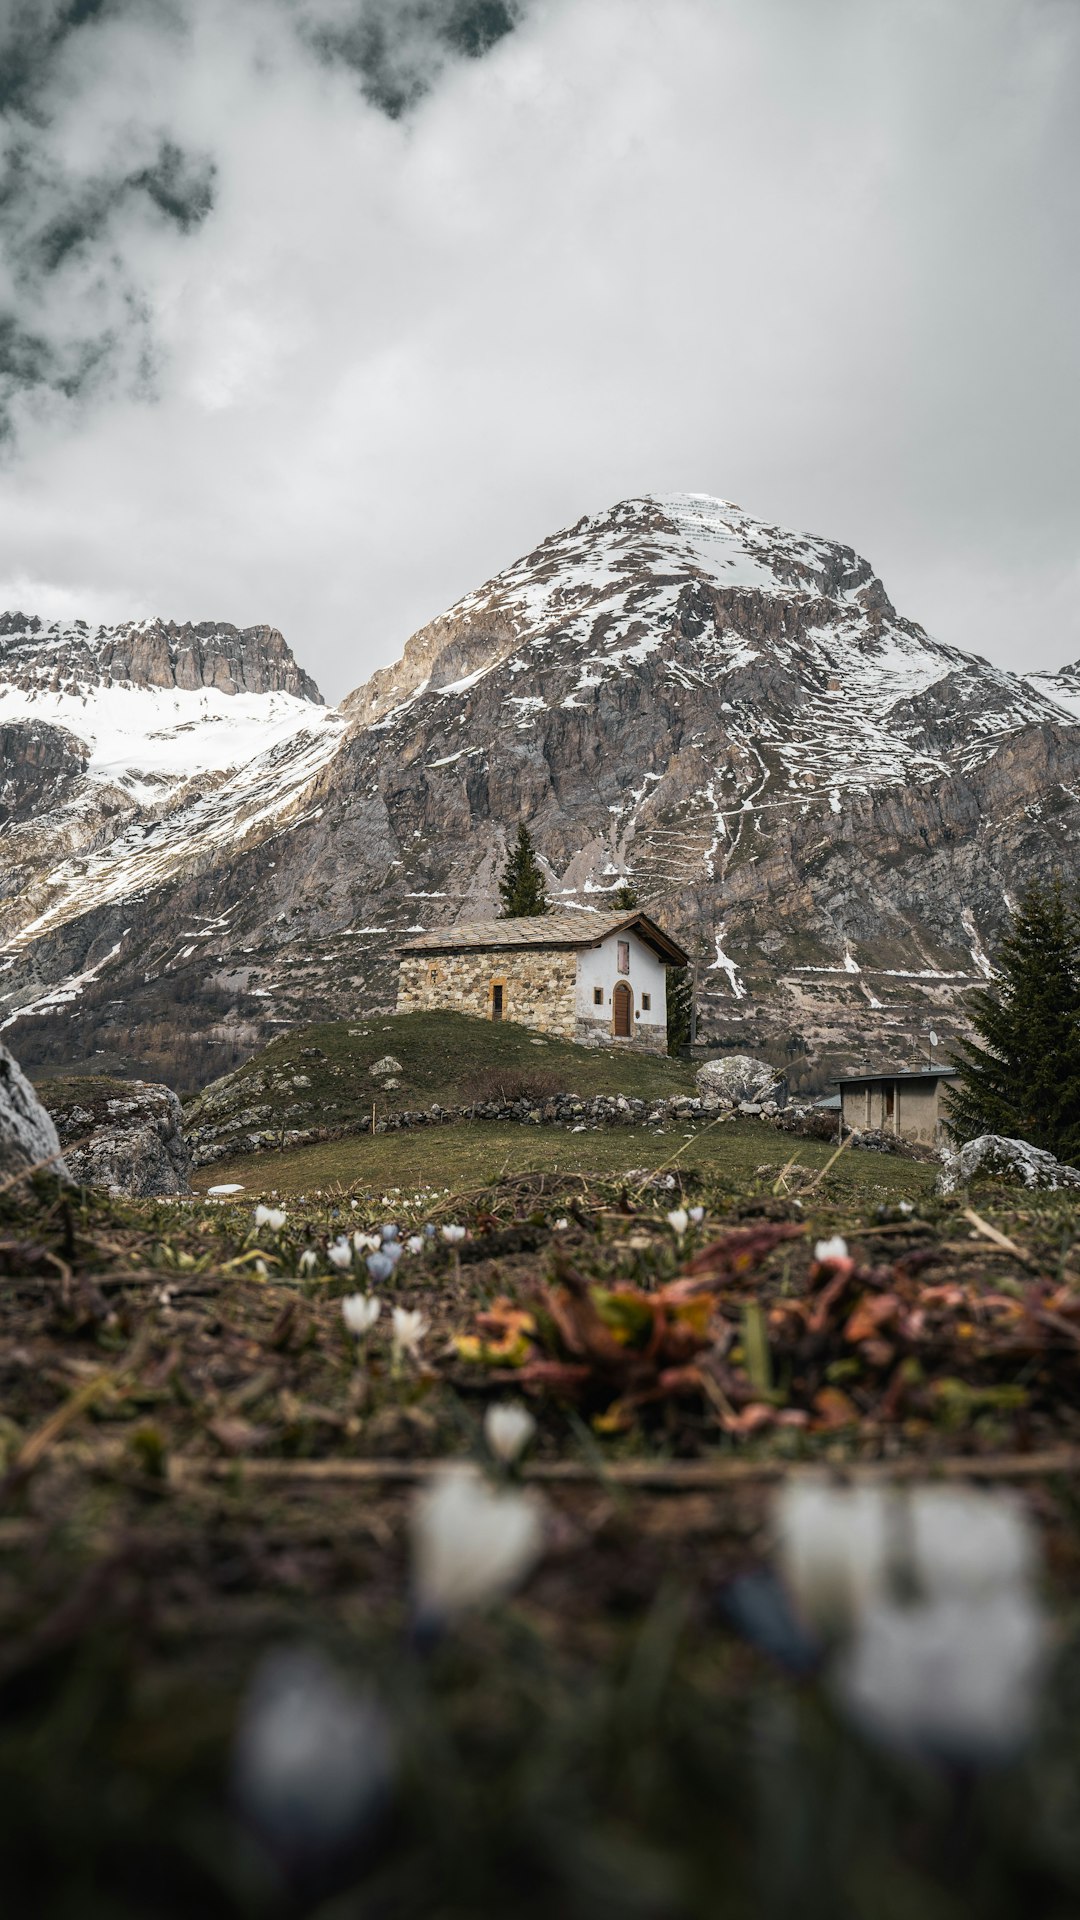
624 956
497 1001
434 976
646 1003
598 996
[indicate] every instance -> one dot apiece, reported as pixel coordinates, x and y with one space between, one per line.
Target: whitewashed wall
599 967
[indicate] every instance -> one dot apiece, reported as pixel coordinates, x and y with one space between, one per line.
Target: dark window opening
890 1102
646 1003
496 1003
598 996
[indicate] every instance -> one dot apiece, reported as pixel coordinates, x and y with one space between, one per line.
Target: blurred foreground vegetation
202 1468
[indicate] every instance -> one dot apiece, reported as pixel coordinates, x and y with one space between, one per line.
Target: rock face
828 808
728 1082
993 1157
27 1134
40 766
148 653
130 1135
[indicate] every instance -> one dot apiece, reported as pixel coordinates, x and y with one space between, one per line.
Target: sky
320 312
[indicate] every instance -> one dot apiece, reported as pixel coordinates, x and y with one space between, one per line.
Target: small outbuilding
906 1101
595 977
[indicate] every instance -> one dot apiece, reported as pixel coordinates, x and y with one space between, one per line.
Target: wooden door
622 1008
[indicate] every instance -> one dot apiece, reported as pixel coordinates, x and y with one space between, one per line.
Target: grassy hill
322 1076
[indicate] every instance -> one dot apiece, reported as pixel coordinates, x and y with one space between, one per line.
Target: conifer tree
625 896
1024 1080
524 895
680 1010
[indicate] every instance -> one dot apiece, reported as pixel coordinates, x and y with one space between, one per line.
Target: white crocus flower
508 1430
955 1678
678 1220
697 1215
452 1234
834 1249
414 1244
561 1225
313 1762
340 1254
272 1217
408 1329
366 1242
472 1544
833 1545
308 1260
360 1312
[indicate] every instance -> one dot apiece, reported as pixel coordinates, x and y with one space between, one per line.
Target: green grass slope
321 1076
737 1159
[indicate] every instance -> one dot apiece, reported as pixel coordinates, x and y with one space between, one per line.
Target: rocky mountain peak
75 658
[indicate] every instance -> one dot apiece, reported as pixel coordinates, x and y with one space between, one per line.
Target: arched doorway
622 1011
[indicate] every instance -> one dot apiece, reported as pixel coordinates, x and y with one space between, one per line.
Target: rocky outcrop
39 768
149 653
736 1078
28 1137
993 1157
125 1136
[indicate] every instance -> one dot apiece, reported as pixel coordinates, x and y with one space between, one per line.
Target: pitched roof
565 930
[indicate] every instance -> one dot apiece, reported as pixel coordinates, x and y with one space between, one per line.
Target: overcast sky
319 312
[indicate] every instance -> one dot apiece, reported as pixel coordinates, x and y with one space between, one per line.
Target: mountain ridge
828 807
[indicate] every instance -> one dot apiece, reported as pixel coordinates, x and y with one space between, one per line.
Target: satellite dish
933 1038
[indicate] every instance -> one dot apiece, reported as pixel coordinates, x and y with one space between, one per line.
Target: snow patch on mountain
145 740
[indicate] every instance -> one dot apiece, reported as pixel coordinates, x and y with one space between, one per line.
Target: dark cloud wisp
73 313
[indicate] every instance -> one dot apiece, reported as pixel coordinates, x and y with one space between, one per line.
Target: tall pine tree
1024 1080
524 895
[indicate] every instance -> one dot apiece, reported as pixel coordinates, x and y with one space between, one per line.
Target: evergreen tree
522 888
625 897
1024 1081
680 1009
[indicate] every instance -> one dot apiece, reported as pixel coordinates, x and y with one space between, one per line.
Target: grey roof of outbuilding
546 930
897 1073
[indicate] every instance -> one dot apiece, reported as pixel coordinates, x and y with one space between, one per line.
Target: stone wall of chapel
539 987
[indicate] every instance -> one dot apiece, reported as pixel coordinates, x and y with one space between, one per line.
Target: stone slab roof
565 930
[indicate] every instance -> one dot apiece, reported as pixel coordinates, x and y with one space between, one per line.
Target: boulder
386 1065
130 1135
993 1157
734 1079
27 1133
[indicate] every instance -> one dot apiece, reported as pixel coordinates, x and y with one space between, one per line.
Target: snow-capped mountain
131 752
831 808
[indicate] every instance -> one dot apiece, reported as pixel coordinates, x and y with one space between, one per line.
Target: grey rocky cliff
829 808
125 1136
28 1137
40 765
149 653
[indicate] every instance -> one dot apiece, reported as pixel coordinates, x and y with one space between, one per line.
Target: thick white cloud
821 260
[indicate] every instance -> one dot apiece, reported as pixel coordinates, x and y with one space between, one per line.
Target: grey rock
386 1065
733 1079
130 1134
27 1133
994 1157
